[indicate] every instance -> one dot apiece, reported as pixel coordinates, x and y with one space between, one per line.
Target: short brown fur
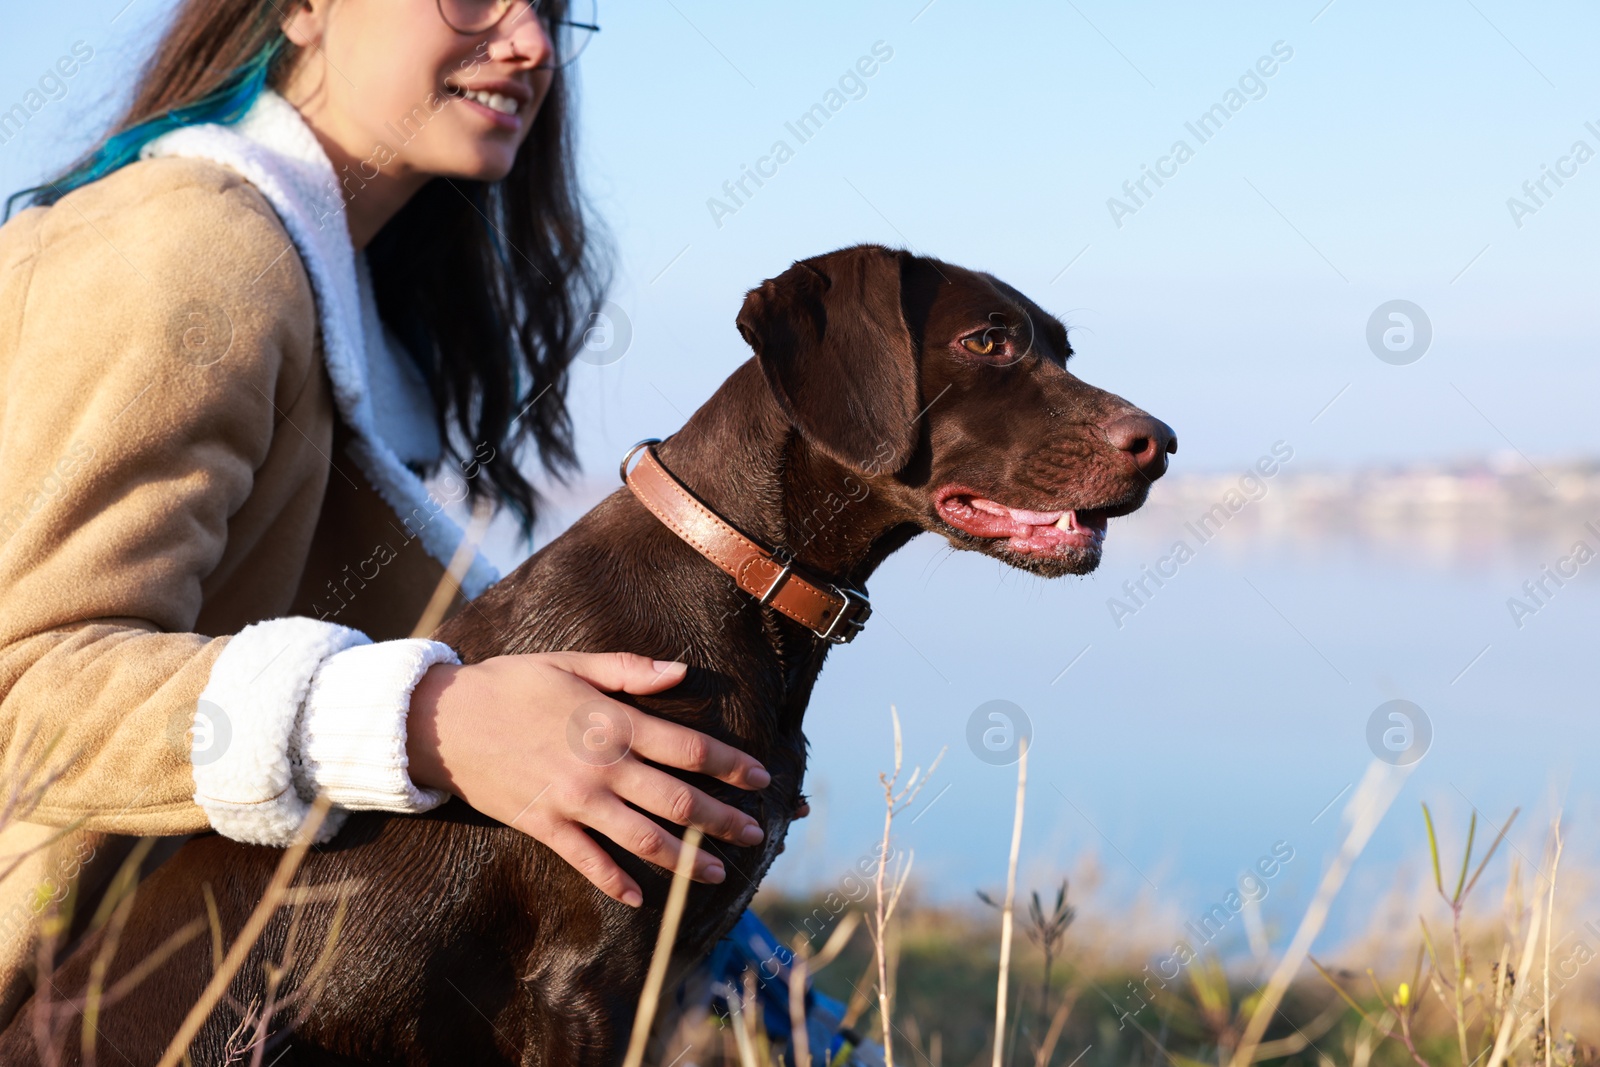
471 943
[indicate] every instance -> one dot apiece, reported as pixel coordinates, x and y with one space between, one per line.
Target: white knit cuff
350 742
243 722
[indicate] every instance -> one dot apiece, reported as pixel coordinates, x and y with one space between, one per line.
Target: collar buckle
854 614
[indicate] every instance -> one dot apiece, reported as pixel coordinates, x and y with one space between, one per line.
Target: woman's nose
520 37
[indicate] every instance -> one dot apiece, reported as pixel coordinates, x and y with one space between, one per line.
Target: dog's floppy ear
831 337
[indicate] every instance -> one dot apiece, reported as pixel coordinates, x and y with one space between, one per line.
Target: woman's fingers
497 725
569 841
655 738
650 841
671 798
690 750
620 672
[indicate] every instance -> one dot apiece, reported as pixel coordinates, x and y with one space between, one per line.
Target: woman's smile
505 103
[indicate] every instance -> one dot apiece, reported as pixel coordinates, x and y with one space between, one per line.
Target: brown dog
890 394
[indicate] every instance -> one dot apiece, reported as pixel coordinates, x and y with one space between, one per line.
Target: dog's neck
740 455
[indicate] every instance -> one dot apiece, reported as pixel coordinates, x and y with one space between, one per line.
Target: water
1226 716
1222 718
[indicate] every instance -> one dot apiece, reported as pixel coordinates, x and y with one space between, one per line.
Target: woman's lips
1024 531
513 121
503 104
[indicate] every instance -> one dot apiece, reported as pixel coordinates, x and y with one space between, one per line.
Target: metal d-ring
628 455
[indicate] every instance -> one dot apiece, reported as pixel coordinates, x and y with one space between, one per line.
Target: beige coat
173 467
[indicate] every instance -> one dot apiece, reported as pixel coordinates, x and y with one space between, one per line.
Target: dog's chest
716 917
774 811
776 830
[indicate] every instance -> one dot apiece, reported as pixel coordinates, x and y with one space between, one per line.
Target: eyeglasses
569 24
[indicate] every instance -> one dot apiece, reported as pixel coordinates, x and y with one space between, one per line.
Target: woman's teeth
495 101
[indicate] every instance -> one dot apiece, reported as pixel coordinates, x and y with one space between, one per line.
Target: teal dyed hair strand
226 104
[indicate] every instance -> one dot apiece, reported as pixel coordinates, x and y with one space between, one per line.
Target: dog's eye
986 343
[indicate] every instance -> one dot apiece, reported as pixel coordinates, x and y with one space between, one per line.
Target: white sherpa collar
279 154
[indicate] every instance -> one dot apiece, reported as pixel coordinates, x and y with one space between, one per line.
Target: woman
332 245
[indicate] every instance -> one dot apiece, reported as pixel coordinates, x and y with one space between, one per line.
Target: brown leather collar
833 611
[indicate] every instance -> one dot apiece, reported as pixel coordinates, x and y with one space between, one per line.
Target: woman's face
402 92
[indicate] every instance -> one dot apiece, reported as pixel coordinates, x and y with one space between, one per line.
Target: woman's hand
530 741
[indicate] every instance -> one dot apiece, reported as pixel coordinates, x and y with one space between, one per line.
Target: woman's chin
461 144
476 162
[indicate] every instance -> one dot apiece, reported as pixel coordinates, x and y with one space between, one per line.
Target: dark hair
488 285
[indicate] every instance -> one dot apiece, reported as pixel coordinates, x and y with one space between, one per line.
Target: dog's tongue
1018 515
1025 531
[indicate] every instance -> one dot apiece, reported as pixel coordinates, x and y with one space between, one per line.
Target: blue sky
1376 165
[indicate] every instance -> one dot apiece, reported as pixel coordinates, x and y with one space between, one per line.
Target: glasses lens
472 16
570 24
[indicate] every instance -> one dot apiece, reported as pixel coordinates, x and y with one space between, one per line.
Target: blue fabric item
750 946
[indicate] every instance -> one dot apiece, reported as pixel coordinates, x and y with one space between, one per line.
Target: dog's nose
1147 439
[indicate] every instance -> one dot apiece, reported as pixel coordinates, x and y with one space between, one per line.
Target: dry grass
33 764
1459 983
1449 977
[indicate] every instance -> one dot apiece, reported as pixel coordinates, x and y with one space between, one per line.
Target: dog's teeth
1065 522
